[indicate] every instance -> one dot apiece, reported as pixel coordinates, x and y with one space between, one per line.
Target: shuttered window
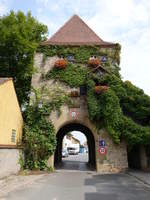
13 136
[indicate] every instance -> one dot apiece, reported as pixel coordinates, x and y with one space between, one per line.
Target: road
75 163
76 184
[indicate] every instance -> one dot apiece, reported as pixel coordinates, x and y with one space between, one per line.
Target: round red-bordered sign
102 151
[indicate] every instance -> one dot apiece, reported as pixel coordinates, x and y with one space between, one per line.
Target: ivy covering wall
82 53
123 110
39 132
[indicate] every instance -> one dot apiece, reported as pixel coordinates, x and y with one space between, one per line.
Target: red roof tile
76 32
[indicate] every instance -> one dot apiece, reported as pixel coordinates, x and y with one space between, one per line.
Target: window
83 90
70 58
100 73
103 59
13 135
62 57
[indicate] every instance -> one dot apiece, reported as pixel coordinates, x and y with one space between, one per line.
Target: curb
139 179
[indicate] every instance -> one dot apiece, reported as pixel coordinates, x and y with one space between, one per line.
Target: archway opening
91 160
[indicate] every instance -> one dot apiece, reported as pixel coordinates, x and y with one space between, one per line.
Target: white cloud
44 2
3 8
135 60
52 25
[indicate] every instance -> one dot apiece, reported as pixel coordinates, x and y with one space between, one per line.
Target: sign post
102 147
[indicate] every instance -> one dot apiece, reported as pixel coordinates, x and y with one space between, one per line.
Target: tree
20 35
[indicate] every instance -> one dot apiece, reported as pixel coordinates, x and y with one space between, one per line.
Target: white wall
9 162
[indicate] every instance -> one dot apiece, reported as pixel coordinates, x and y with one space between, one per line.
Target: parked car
65 153
73 151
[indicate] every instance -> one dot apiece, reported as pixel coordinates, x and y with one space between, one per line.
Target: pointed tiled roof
76 32
3 80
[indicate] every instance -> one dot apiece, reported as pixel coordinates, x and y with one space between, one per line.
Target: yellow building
11 121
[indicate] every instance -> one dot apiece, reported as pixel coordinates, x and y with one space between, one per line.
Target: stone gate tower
74 37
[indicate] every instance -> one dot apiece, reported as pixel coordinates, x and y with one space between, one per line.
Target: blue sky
126 22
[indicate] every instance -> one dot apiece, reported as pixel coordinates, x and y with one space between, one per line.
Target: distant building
84 147
69 140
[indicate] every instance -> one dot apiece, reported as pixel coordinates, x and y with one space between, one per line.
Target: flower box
94 62
74 93
99 89
61 64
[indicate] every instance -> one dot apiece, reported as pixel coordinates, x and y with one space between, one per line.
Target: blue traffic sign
102 143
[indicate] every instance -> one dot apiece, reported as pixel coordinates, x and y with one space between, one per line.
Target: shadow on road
75 162
73 165
116 186
98 196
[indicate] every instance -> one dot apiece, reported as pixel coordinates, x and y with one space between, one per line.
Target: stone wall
9 162
116 156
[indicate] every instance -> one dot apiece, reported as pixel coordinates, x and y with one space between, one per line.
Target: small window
13 136
100 73
70 58
83 90
103 59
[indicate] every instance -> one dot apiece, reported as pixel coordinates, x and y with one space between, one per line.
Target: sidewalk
140 175
10 183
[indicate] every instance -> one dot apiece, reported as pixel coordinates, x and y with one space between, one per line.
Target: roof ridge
76 32
61 27
88 27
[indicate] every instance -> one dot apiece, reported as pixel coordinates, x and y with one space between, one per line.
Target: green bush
39 132
40 139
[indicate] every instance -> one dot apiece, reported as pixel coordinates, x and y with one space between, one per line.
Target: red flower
99 89
94 62
61 64
104 88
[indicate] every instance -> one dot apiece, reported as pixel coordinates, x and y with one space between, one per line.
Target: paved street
75 162
71 184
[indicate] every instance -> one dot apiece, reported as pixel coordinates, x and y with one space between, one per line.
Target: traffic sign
102 143
102 151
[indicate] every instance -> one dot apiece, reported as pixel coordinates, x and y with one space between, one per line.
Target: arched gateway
78 127
78 44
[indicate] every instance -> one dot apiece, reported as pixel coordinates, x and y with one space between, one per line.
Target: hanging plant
61 63
100 88
94 62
